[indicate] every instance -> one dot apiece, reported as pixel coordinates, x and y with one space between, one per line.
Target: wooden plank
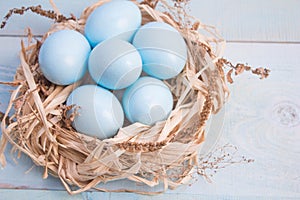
37 195
237 20
8 63
262 120
50 195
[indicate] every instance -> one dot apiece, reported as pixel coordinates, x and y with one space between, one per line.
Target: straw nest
165 153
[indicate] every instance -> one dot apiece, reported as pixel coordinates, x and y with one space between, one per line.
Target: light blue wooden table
262 118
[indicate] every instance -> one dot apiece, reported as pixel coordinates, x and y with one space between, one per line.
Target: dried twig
13 83
220 158
35 9
240 68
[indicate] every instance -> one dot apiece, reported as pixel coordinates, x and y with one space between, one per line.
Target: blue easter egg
63 57
147 101
113 19
115 64
162 48
100 114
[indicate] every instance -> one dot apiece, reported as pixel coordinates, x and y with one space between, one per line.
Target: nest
165 153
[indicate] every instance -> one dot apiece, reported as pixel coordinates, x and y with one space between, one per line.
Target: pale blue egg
100 114
113 19
147 101
115 64
63 57
162 48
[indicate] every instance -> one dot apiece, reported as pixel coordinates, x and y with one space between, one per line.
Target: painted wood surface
262 118
237 20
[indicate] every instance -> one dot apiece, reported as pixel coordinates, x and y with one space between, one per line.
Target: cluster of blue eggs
114 50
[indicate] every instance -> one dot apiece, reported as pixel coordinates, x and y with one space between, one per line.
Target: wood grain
9 61
50 195
239 20
263 117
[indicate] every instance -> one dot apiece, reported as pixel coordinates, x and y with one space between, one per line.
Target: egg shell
113 19
63 57
162 48
100 114
115 64
147 101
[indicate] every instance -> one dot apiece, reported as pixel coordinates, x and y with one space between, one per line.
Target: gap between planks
228 41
